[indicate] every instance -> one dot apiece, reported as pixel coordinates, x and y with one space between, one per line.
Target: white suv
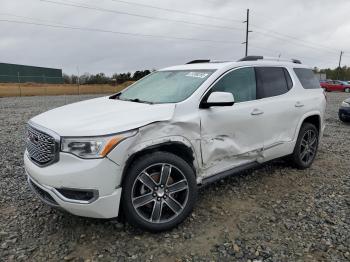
147 149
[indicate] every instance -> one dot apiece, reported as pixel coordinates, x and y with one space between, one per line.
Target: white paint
220 137
221 97
102 116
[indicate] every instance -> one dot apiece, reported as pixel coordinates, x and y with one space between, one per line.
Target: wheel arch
312 118
315 120
180 149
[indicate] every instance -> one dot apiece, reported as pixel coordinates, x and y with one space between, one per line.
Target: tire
347 90
308 139
343 119
161 182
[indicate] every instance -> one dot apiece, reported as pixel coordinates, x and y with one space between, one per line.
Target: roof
198 66
223 65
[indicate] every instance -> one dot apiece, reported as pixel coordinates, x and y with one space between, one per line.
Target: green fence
12 73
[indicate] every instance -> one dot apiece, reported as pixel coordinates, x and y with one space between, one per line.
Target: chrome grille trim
42 145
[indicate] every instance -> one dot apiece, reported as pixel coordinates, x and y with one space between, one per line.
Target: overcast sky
314 31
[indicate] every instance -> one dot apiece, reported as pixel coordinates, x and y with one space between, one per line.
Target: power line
230 20
74 4
293 37
281 37
314 48
177 11
125 33
64 26
278 35
273 53
289 36
31 18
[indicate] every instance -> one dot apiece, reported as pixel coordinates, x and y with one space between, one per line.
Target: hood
102 116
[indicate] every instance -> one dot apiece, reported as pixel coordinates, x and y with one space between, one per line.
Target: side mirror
218 99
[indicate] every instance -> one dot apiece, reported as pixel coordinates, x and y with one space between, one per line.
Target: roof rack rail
268 58
251 58
296 61
198 61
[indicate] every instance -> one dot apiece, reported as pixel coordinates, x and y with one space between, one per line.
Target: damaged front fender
165 135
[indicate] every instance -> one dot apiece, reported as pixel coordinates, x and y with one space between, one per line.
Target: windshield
166 86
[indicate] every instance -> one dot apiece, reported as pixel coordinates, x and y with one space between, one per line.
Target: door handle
299 104
256 112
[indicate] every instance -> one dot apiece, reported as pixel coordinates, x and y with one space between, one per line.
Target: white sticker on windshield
197 74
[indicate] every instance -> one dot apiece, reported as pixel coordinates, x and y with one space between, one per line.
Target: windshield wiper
137 100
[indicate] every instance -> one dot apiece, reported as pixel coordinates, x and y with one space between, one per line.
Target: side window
307 78
241 83
271 81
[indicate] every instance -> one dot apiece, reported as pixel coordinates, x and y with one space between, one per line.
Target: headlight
345 104
93 147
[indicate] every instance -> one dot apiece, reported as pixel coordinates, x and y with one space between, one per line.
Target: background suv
344 111
148 148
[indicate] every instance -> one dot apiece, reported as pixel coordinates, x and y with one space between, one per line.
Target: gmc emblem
33 138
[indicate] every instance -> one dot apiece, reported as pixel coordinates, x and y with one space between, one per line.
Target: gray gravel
275 213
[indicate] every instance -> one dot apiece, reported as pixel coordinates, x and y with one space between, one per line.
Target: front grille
41 147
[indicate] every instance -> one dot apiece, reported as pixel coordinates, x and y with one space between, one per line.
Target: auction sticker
197 74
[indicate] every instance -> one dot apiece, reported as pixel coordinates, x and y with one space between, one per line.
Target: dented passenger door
232 135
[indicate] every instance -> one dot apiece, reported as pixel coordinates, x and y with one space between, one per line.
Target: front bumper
101 177
344 112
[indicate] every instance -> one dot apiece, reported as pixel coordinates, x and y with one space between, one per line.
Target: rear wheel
306 146
347 90
159 191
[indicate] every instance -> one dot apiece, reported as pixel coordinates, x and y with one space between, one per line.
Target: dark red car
335 85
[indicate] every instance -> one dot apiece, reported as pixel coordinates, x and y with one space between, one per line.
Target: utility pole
78 80
19 84
247 31
341 54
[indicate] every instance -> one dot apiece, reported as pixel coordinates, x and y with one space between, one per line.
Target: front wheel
347 90
159 191
306 146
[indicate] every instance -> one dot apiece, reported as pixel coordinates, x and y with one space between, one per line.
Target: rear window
271 81
307 78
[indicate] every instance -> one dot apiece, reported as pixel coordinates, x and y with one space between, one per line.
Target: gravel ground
274 213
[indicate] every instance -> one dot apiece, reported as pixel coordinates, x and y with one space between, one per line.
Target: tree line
101 78
342 73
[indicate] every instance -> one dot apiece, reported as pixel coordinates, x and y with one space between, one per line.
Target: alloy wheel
160 193
308 146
